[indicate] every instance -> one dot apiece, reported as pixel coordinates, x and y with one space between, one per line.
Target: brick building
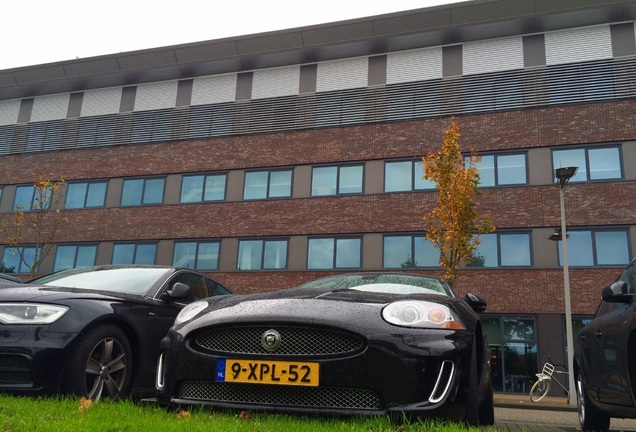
267 160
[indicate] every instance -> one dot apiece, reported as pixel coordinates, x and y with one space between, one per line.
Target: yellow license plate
267 372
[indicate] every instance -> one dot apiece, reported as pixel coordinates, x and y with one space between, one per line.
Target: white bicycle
544 381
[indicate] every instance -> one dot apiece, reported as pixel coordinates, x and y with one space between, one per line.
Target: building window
337 180
262 255
502 170
513 359
12 261
602 163
334 253
405 176
203 188
74 256
408 251
134 253
27 199
86 195
142 191
201 255
267 184
503 250
596 247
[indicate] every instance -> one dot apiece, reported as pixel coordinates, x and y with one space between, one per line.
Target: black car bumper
31 360
414 372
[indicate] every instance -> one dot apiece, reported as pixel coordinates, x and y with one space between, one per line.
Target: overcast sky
44 31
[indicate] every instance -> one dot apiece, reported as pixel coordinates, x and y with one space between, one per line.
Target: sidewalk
507 400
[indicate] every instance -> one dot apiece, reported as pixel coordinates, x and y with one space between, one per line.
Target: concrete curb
523 402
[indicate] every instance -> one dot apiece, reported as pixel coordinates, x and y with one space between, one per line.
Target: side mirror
476 303
617 293
179 291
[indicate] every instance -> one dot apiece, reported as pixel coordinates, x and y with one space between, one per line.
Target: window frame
21 264
338 185
412 253
263 258
31 206
87 193
135 245
268 184
595 251
495 168
586 150
334 252
204 177
143 191
413 186
498 244
77 247
197 252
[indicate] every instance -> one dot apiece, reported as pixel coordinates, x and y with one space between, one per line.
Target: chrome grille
295 341
280 396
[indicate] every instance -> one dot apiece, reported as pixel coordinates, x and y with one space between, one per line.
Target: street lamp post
565 174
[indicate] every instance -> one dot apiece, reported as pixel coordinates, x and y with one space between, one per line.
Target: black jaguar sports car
94 331
379 344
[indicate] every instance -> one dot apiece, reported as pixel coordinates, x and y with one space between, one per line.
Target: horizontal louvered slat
504 90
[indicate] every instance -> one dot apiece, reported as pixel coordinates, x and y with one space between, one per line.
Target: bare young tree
32 232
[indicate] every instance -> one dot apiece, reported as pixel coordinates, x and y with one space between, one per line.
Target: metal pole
568 307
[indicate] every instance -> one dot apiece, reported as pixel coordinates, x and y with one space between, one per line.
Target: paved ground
516 413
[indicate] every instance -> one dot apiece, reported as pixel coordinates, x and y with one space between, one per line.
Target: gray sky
44 31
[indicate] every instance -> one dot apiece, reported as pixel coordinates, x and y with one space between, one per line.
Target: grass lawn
75 415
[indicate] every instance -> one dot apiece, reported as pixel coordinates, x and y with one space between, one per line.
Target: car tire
100 364
590 417
472 408
487 407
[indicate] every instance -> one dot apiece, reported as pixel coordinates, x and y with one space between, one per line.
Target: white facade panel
51 107
415 65
214 89
9 110
101 102
578 45
156 96
343 74
276 82
492 55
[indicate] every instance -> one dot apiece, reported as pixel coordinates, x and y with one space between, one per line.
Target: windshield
126 280
385 283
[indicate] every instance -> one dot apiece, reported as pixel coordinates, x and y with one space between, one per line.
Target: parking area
552 414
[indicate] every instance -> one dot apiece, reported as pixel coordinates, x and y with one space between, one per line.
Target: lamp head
565 173
558 235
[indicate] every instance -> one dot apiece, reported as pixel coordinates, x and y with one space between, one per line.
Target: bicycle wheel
540 389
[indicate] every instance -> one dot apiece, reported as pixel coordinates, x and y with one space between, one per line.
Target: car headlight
190 311
421 314
31 313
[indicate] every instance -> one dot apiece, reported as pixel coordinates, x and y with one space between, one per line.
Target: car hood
308 305
50 294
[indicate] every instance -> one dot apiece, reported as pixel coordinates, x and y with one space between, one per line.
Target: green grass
72 415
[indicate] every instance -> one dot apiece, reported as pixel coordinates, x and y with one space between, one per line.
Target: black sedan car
93 332
378 344
605 357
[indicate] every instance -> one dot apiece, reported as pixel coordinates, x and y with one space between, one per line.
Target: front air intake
444 380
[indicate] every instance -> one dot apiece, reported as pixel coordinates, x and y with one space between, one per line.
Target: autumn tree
37 226
454 225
